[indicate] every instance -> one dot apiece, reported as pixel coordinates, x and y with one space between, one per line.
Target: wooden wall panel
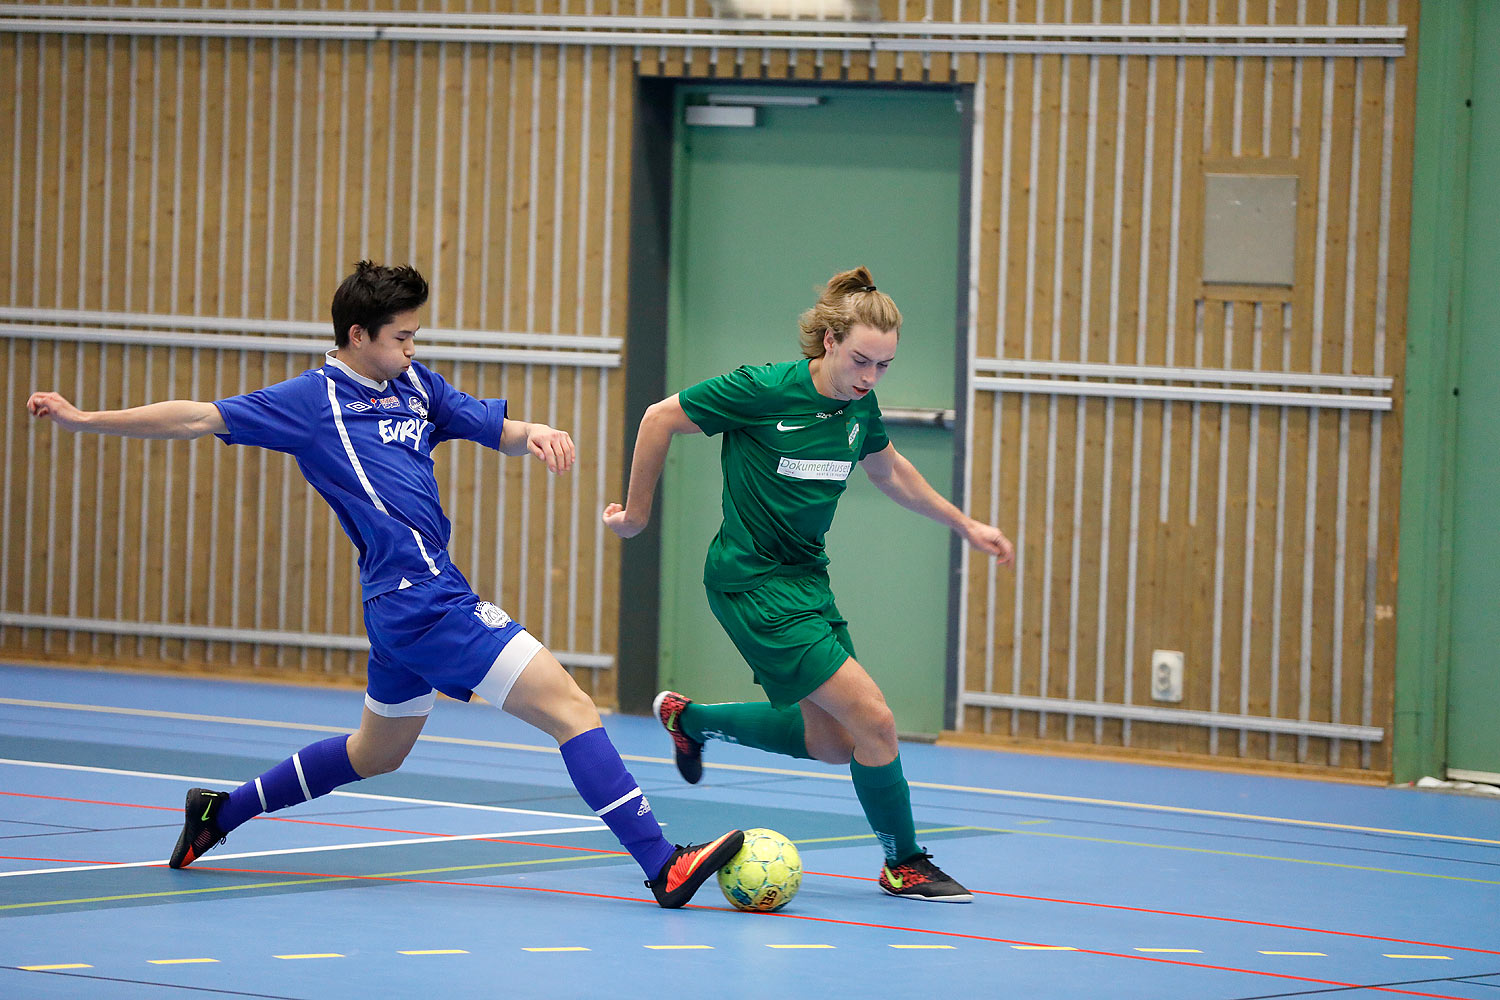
1236 533
241 178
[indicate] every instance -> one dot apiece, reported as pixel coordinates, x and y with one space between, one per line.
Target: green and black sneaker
918 878
199 832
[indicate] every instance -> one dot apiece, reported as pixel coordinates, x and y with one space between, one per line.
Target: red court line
1196 916
859 923
90 802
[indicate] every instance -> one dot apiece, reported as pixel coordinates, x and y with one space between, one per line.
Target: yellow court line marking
326 954
1172 951
568 948
795 946
320 849
1042 947
179 961
1303 954
680 947
51 968
871 836
435 951
304 881
1231 854
1437 958
786 772
927 947
174 892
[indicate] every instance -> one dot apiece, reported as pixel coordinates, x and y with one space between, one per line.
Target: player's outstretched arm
173 419
661 422
898 479
547 444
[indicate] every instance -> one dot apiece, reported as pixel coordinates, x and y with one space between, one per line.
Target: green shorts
790 632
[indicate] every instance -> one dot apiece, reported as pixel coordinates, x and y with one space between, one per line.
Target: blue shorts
439 634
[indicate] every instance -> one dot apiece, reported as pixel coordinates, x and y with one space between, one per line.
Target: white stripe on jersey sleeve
364 480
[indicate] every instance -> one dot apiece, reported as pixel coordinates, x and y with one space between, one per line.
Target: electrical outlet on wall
1166 675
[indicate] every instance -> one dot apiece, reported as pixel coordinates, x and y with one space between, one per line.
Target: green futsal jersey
787 454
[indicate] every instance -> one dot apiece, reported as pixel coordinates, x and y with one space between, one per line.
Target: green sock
751 724
886 798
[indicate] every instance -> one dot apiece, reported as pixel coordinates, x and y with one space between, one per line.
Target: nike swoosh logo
781 425
894 879
206 807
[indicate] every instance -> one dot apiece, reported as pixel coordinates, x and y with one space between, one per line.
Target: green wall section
1474 684
1447 692
761 218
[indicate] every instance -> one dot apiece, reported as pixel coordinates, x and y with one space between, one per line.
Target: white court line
785 772
315 850
348 795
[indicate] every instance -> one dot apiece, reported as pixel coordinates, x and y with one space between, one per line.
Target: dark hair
850 297
372 295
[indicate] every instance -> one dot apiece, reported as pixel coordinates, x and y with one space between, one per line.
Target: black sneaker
199 832
690 866
688 751
918 878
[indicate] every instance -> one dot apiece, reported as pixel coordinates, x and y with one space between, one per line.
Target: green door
1474 683
762 217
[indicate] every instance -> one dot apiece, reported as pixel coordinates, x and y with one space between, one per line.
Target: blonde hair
850 297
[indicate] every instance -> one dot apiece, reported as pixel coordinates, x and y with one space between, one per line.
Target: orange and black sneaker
689 867
668 707
199 833
918 878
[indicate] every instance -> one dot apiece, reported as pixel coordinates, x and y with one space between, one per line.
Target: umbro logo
359 406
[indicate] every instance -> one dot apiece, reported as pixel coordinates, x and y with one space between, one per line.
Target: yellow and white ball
764 875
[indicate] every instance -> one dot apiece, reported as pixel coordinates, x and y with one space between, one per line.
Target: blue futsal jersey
366 446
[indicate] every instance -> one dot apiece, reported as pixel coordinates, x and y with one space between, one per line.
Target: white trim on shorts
502 675
412 707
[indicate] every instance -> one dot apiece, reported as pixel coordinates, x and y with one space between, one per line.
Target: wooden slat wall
241 178
1250 537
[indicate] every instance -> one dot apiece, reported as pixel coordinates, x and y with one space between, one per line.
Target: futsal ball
764 875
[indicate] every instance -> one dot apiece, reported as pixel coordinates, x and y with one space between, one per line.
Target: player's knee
553 702
577 713
877 726
368 761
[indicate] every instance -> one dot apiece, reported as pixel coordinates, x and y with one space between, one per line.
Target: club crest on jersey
405 431
853 432
415 405
492 615
359 406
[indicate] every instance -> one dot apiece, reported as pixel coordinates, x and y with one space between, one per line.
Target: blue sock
600 777
312 771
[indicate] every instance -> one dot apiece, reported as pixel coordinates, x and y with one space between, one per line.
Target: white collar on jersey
356 376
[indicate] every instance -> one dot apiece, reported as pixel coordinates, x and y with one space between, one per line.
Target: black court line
148 982
1375 986
1471 982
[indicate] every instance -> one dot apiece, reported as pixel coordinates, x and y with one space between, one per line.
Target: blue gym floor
476 871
